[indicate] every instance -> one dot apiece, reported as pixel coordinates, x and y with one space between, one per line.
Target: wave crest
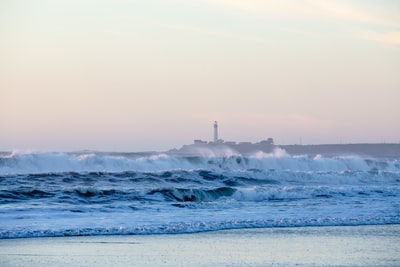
36 162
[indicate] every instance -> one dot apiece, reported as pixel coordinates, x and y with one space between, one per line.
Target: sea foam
97 193
41 162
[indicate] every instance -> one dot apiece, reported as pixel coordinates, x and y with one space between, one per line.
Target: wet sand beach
300 246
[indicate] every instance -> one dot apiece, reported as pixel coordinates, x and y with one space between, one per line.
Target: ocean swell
82 193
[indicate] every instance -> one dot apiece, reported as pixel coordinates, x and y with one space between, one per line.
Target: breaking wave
36 162
95 193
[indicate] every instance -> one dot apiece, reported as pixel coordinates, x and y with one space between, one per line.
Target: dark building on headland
218 145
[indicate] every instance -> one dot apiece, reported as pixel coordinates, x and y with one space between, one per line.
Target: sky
127 75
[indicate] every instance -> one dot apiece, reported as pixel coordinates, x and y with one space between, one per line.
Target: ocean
49 194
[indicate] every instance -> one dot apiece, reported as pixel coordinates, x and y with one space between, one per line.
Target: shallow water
299 246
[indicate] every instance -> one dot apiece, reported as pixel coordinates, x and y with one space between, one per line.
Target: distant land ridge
377 149
268 146
245 148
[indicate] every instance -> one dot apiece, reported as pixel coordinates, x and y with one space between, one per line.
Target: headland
218 145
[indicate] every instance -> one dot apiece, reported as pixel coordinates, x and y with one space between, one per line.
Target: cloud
312 9
368 16
342 10
386 37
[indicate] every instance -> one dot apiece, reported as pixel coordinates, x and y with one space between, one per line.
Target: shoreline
364 245
112 234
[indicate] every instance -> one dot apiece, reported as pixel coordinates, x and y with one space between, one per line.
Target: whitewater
101 193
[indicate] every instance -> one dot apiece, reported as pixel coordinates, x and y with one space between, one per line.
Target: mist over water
221 159
91 193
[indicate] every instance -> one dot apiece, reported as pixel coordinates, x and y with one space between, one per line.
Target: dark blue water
62 194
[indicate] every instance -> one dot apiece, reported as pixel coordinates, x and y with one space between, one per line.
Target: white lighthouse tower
215 131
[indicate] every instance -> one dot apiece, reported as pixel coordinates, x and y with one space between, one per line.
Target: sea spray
95 193
41 162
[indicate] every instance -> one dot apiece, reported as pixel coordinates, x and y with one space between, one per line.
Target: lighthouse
215 132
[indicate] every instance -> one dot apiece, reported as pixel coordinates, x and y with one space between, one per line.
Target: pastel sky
127 75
